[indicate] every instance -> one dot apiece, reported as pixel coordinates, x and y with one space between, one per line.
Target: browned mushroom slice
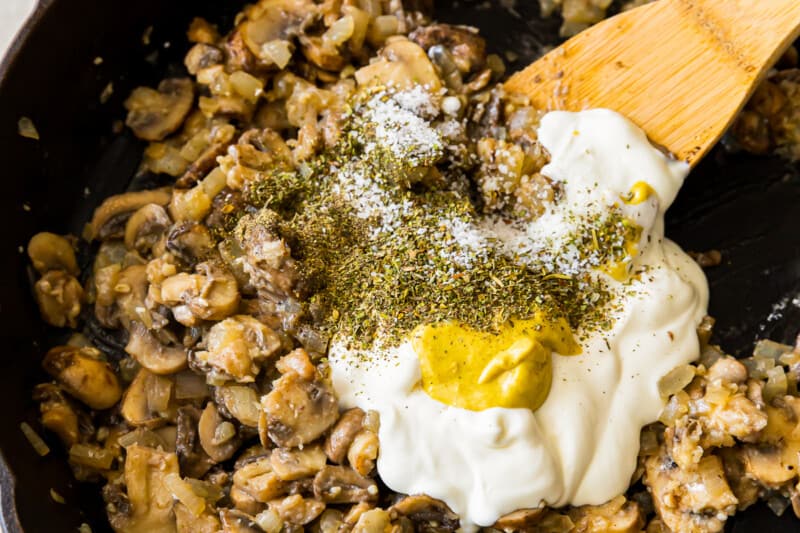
520 520
151 354
84 375
339 484
424 511
49 251
237 346
149 505
57 414
218 436
257 479
147 401
154 114
291 464
466 46
109 220
194 461
616 516
402 64
297 510
190 242
202 56
211 294
298 411
59 296
341 436
146 227
237 522
323 55
271 21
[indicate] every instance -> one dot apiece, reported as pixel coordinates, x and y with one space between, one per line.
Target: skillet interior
742 205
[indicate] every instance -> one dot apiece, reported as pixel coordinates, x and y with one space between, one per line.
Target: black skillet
745 206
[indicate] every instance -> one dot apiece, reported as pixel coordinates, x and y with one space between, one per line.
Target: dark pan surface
743 205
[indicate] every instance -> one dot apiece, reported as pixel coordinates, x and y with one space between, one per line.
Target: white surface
12 14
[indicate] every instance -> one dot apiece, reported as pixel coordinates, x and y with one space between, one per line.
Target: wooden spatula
680 69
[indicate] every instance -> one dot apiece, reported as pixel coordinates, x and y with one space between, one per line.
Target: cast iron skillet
743 205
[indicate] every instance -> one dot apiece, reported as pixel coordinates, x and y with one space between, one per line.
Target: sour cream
580 447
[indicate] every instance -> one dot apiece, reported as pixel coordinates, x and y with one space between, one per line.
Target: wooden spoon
680 69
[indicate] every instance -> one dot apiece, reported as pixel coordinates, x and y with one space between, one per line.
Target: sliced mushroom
49 251
271 21
202 56
194 461
318 52
241 402
616 516
57 414
292 464
147 400
149 504
84 375
190 241
188 522
237 522
341 436
339 484
146 227
218 436
466 46
109 220
152 354
154 114
237 346
298 411
59 296
425 511
257 479
520 520
212 294
373 521
297 510
402 64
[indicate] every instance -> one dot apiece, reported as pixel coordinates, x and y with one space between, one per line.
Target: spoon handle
680 69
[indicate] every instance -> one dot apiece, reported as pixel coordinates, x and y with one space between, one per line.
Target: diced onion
84 528
184 493
159 391
39 445
243 404
278 51
676 380
27 129
382 28
206 490
269 521
142 437
339 32
776 383
58 498
91 456
770 349
214 182
246 85
223 433
194 147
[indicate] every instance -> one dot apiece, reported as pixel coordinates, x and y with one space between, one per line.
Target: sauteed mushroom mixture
195 386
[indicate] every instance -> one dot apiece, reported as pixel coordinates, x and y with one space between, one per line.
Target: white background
12 15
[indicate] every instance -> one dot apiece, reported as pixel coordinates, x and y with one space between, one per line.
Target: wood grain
680 69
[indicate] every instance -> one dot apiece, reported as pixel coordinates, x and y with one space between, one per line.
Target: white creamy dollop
581 446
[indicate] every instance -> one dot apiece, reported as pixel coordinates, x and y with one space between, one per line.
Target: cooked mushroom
211 294
194 461
218 436
373 521
49 251
257 479
110 219
341 436
616 516
271 21
520 520
188 522
322 54
57 414
339 484
148 506
297 361
292 464
363 452
466 46
237 522
152 354
237 346
147 401
402 65
59 297
298 411
202 56
146 227
425 511
154 114
190 242
297 510
84 375
240 401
